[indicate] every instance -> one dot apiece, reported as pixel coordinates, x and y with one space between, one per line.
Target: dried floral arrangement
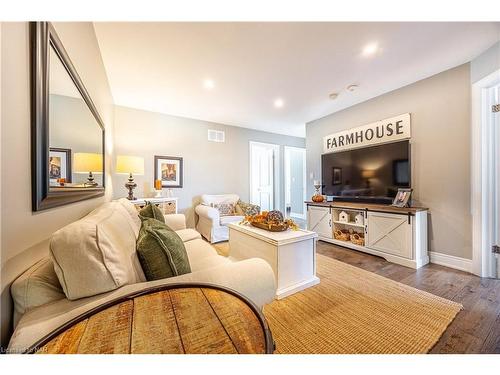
270 220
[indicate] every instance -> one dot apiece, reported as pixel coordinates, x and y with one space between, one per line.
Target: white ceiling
160 67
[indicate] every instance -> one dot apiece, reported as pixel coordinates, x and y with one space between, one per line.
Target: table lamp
130 165
88 163
367 174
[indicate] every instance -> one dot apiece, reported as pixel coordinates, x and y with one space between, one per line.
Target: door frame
276 172
482 184
287 177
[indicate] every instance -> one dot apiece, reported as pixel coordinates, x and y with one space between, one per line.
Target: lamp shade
129 164
86 162
368 173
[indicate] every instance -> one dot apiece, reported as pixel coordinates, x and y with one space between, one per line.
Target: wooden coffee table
176 319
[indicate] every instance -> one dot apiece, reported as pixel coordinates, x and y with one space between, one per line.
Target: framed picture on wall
59 164
169 170
337 176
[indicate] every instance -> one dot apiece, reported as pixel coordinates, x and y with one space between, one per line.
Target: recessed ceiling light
278 103
333 96
352 87
370 49
209 84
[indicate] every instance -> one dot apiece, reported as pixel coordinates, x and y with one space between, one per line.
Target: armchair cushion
225 209
230 219
209 200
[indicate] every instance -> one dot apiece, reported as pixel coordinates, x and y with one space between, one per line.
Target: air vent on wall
216 135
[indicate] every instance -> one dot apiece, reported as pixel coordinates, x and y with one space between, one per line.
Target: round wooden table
175 319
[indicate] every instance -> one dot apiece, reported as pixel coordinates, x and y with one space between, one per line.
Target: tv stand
397 234
351 199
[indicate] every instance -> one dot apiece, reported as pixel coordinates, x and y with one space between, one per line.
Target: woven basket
342 235
358 239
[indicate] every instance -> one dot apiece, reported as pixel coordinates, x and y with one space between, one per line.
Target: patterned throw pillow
248 208
225 209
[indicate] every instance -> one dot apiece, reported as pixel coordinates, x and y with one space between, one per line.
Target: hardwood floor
476 329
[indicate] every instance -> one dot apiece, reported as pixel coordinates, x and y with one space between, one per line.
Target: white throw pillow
96 254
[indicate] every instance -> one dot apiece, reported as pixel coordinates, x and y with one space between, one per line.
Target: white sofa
41 304
210 224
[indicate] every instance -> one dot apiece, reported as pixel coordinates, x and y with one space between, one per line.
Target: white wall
209 167
440 115
24 234
486 63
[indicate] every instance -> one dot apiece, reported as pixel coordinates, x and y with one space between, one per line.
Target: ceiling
162 67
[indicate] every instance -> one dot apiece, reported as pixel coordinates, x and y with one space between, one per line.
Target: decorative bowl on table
272 221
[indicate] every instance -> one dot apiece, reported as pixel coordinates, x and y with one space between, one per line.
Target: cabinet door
319 220
390 233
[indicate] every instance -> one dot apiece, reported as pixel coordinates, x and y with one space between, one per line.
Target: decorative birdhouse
344 217
359 219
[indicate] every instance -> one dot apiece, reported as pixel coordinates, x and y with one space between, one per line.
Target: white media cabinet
397 234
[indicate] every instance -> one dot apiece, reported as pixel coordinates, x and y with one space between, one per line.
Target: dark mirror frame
42 38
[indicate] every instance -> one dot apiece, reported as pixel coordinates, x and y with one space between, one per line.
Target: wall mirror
67 134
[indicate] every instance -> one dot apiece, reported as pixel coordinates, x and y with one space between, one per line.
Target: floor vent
216 135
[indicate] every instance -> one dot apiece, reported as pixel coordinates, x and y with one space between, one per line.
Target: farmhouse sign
388 130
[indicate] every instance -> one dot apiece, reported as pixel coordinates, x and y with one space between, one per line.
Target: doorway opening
264 175
486 176
295 182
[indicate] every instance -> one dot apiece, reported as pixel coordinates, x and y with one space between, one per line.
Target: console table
397 234
172 319
166 205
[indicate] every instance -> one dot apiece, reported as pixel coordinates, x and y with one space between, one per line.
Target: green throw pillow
151 211
161 251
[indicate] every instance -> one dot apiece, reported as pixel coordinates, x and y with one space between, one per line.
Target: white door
295 181
263 169
319 220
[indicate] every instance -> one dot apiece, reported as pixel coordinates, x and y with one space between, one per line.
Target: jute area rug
355 311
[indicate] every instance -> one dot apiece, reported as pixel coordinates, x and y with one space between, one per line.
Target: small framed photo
59 164
168 169
337 176
402 198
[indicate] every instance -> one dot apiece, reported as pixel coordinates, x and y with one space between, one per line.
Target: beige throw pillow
96 254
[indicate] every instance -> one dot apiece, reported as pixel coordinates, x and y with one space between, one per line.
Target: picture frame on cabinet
402 198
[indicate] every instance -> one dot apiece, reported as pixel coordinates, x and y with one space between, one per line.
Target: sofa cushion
202 255
96 254
230 219
36 286
161 251
133 213
151 211
188 234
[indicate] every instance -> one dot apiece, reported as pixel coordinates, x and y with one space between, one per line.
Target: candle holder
317 197
158 193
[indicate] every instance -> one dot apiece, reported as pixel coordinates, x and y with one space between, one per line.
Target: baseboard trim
451 261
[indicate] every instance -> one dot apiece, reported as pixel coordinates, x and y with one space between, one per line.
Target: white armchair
210 224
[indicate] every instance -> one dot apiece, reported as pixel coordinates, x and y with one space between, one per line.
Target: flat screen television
369 174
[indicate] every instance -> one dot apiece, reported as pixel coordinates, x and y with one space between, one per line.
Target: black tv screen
374 172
